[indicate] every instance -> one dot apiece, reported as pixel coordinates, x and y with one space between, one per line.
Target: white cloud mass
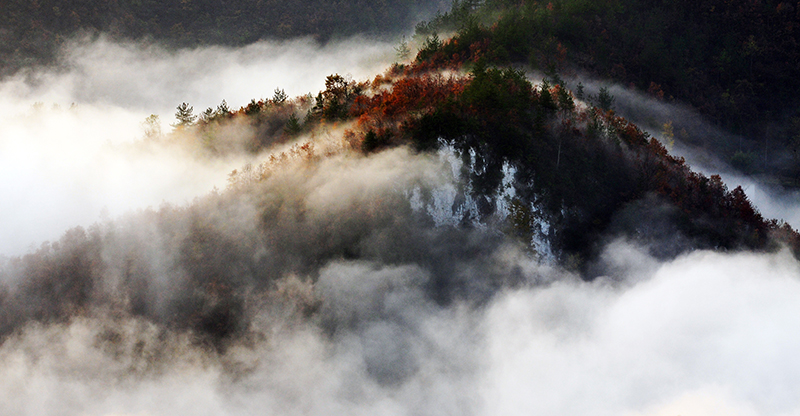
61 130
704 334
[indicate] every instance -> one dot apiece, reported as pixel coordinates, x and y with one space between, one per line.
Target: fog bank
64 157
707 333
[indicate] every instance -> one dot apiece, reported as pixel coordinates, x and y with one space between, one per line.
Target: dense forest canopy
737 62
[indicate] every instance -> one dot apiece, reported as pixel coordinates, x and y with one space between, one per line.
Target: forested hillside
557 173
539 169
734 61
578 176
577 167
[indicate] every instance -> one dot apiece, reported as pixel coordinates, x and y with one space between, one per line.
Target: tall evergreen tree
184 116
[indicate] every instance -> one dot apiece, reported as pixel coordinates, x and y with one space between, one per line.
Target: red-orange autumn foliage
405 97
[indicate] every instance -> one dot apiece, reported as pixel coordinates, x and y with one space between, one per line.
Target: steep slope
340 184
735 62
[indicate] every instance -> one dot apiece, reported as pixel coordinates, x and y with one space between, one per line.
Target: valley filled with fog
68 135
139 279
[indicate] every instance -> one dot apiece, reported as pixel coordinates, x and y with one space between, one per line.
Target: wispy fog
149 78
64 158
772 201
691 134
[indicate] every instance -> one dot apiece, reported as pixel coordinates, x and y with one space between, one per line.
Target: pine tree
605 100
223 110
184 116
152 127
279 97
403 52
293 126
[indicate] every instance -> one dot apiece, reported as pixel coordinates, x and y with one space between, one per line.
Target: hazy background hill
32 31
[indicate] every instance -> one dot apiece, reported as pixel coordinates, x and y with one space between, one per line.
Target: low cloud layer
704 333
705 328
149 78
65 133
63 168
